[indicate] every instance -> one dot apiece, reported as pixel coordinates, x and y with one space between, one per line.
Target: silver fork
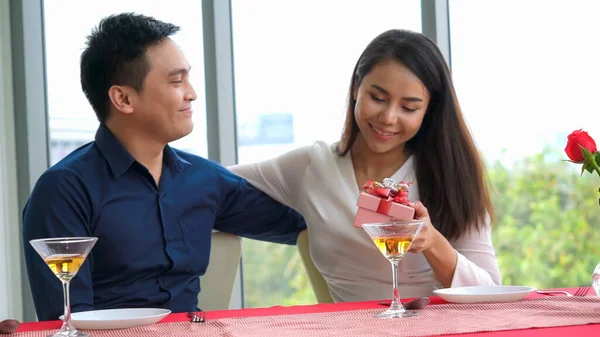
581 292
197 317
553 292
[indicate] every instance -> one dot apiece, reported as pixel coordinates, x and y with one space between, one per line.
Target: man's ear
120 96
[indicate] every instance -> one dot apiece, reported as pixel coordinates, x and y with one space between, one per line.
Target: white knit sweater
322 187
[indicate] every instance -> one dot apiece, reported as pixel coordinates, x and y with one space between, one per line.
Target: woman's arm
468 261
476 264
280 177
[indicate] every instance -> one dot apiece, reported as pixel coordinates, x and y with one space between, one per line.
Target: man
152 207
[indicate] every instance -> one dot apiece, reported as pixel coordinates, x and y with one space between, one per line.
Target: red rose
575 141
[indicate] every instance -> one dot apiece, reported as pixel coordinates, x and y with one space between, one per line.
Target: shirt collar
119 159
173 160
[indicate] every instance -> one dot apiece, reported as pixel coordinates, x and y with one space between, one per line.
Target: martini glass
64 256
393 240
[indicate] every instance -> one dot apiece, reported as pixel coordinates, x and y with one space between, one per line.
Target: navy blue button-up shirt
153 242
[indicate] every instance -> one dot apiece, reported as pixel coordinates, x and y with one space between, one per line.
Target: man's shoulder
76 163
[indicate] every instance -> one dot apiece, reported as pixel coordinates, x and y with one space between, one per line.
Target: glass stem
396 304
67 318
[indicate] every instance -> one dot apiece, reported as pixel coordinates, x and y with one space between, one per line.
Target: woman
403 121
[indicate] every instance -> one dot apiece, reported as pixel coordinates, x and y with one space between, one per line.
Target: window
293 63
72 121
525 73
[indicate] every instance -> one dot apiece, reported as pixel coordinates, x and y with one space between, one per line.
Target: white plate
117 318
484 294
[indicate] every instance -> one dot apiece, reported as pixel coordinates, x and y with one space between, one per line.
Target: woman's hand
438 252
429 236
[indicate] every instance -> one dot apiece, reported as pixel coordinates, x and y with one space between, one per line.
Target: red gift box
379 203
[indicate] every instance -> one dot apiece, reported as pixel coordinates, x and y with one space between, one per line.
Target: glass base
72 333
398 313
596 280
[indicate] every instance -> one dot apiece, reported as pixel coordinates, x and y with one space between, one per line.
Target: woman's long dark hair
449 170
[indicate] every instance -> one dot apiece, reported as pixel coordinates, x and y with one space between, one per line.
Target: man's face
164 106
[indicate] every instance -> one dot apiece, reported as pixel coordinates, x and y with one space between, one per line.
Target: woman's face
390 105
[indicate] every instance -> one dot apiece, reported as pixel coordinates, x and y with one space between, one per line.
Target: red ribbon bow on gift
389 189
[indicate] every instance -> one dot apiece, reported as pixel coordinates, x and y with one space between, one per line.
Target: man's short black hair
115 54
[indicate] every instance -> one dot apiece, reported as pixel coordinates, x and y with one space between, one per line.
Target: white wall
10 238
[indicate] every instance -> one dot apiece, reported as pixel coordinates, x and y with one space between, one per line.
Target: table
580 331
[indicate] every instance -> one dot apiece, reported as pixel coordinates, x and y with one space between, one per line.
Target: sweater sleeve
280 177
476 264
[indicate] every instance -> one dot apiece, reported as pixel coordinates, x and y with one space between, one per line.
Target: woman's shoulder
325 148
322 152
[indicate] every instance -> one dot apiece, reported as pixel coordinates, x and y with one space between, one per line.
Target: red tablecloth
591 330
